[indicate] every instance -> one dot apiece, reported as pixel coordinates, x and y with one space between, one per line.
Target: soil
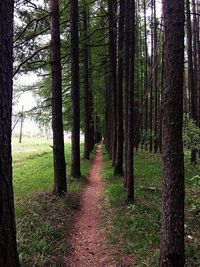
87 244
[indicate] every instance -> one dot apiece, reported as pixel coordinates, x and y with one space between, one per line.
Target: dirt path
86 242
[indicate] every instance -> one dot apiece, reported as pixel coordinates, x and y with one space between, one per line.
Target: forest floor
43 220
87 244
121 234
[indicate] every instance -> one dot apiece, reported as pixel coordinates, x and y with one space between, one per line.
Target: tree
112 19
75 165
172 231
118 167
87 121
8 247
129 93
60 184
191 82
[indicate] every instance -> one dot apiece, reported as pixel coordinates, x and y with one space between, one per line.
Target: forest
117 180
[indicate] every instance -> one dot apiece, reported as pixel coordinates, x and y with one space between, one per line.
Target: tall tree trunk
172 231
87 126
129 82
21 125
75 165
8 247
112 18
126 84
146 73
191 85
152 84
60 184
118 168
155 78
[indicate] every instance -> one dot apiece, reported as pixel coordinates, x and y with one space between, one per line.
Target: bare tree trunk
146 72
152 84
118 168
8 246
191 85
129 82
155 82
21 125
60 184
126 84
75 165
172 232
112 19
87 126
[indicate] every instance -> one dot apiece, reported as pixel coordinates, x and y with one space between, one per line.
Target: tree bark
155 82
146 73
87 126
112 19
8 246
118 168
191 84
172 232
60 184
21 125
75 165
129 82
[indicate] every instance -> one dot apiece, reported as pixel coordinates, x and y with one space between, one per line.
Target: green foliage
145 137
191 134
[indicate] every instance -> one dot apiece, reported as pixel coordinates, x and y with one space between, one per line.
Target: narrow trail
86 241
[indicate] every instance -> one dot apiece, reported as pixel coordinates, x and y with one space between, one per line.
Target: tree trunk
60 184
112 18
146 74
129 82
75 165
126 84
8 247
152 84
191 85
21 125
155 82
172 231
118 168
87 126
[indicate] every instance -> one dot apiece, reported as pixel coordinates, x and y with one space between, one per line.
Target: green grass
132 230
43 220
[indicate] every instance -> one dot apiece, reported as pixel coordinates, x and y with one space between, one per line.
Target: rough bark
146 72
172 231
87 126
191 84
126 83
155 82
112 19
129 82
118 168
152 84
8 247
75 164
60 184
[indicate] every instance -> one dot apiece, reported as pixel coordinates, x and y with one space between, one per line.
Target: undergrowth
43 220
132 230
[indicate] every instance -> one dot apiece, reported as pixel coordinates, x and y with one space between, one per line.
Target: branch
27 59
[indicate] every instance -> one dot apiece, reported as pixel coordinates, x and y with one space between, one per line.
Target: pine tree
8 247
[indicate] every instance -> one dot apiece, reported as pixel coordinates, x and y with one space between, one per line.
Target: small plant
191 134
195 180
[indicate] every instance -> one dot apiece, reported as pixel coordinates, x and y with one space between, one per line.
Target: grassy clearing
43 220
132 230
